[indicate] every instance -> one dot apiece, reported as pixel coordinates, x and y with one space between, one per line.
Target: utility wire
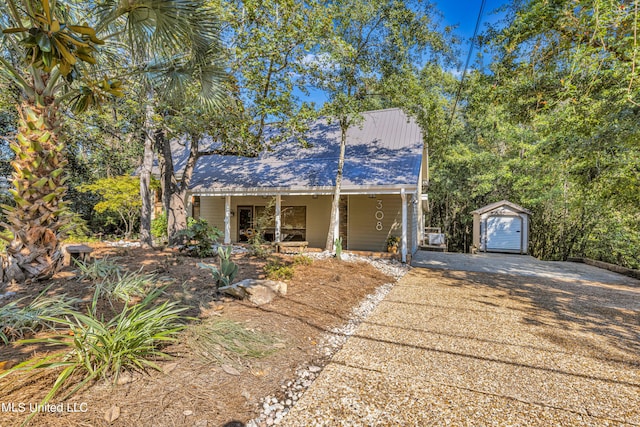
466 65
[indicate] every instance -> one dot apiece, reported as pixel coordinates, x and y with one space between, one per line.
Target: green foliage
98 269
120 196
226 272
159 226
226 342
16 321
393 241
131 340
125 286
302 260
275 270
258 246
200 238
338 247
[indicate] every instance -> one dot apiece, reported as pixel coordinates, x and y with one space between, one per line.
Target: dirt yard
191 390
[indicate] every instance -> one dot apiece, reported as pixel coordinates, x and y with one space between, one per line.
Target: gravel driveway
477 348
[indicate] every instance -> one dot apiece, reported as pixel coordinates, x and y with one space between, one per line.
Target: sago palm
51 52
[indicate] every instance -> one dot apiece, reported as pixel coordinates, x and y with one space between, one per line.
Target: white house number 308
379 215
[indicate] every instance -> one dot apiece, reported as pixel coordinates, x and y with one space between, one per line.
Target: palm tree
58 64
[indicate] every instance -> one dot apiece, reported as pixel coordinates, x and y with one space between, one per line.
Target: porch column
227 220
278 214
190 206
403 252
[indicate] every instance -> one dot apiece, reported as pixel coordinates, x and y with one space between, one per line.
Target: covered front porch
366 218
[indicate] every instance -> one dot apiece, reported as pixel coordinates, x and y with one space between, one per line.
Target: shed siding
498 245
363 234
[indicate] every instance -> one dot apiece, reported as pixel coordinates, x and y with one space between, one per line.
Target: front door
245 223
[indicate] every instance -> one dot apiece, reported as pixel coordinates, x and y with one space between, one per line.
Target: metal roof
501 203
382 152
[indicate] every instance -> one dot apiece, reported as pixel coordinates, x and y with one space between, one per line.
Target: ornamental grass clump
98 349
16 321
125 286
226 342
98 269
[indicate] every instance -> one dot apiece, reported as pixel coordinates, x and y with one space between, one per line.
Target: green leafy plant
338 247
17 321
124 286
159 226
227 271
120 197
98 269
257 244
200 238
393 241
302 260
275 270
99 349
226 342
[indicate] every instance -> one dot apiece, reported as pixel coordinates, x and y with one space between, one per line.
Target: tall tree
55 63
268 44
369 41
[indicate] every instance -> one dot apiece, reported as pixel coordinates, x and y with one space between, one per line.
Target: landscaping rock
258 292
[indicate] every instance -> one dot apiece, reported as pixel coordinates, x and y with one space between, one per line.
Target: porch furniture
291 247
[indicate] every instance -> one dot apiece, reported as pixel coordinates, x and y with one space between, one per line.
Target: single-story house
501 227
380 194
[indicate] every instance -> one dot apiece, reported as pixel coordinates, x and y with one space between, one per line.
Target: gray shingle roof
384 151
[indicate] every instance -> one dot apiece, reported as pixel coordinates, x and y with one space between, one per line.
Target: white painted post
278 220
227 220
190 206
403 196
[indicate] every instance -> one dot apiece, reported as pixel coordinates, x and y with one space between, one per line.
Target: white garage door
504 233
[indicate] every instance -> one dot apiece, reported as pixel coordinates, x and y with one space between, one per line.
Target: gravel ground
478 349
273 409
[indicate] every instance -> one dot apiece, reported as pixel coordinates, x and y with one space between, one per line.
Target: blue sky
465 13
461 14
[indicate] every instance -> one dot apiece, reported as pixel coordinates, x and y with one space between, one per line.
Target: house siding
317 219
363 219
212 210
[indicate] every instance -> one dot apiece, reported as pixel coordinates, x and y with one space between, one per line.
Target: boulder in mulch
257 291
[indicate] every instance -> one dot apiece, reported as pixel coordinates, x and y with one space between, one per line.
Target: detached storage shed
501 227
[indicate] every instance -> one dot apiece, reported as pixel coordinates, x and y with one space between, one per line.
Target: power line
466 65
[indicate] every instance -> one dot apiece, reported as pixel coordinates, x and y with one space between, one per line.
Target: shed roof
501 203
384 151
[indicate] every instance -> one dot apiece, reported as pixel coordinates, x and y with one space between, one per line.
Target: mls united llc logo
21 407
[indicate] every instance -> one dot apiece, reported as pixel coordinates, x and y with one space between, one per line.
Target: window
293 223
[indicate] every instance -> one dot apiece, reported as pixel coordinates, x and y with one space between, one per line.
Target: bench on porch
291 247
81 252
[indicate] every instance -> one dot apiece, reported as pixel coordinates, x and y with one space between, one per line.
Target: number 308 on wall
379 215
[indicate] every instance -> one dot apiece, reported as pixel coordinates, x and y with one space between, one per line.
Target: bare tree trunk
174 192
335 204
146 239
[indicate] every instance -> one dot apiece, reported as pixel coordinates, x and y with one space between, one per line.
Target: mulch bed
192 391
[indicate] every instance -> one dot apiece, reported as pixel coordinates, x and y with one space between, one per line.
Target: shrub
16 321
278 271
200 237
159 226
103 349
302 260
227 271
